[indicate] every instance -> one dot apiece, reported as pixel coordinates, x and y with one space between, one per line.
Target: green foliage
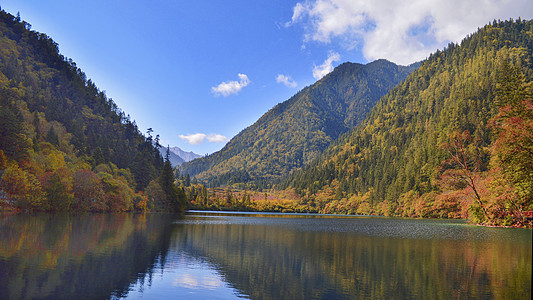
35 77
514 124
64 145
398 148
296 131
175 196
52 137
57 193
157 199
13 140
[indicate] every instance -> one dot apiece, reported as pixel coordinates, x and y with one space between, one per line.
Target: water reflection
186 277
225 256
78 257
376 258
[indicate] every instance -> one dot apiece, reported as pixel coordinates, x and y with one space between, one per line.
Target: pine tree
175 195
52 137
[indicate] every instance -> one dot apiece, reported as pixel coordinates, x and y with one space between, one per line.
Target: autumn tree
513 147
157 199
22 188
465 161
57 192
88 193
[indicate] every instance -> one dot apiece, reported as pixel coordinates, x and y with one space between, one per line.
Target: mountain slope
402 155
51 84
296 131
63 144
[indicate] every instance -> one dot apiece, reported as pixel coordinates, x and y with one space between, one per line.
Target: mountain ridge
178 156
296 131
185 155
446 142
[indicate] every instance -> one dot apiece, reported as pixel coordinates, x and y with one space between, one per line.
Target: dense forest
451 137
454 140
63 144
296 131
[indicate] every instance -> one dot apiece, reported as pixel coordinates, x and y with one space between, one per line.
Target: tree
157 199
187 180
22 188
465 156
98 157
88 193
228 196
513 147
13 140
57 193
175 196
52 137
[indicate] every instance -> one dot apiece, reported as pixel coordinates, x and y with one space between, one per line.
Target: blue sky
198 72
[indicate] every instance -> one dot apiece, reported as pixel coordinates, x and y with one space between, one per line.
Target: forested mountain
63 143
455 139
295 132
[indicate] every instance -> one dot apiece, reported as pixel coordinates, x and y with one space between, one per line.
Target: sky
199 72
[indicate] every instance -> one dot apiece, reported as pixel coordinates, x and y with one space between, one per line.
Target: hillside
455 139
295 132
63 144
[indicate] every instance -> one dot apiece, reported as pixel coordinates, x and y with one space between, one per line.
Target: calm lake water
259 256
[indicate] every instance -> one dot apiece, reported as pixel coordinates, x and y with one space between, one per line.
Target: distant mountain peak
178 156
186 156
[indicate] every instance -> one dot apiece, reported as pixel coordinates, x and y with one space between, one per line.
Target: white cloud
298 11
231 87
325 68
401 31
199 138
286 80
217 138
193 139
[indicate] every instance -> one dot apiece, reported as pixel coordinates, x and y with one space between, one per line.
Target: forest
65 146
298 130
450 137
454 140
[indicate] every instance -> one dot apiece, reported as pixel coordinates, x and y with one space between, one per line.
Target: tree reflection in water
259 257
370 258
79 257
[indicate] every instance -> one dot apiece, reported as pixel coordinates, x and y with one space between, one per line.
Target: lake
209 255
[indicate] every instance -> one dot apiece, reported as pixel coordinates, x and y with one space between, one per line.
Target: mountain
452 140
186 156
296 131
175 160
178 156
63 144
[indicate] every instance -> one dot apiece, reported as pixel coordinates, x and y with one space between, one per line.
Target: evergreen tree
98 156
52 137
175 195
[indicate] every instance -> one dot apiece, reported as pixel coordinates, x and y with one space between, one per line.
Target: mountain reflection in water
268 256
78 257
